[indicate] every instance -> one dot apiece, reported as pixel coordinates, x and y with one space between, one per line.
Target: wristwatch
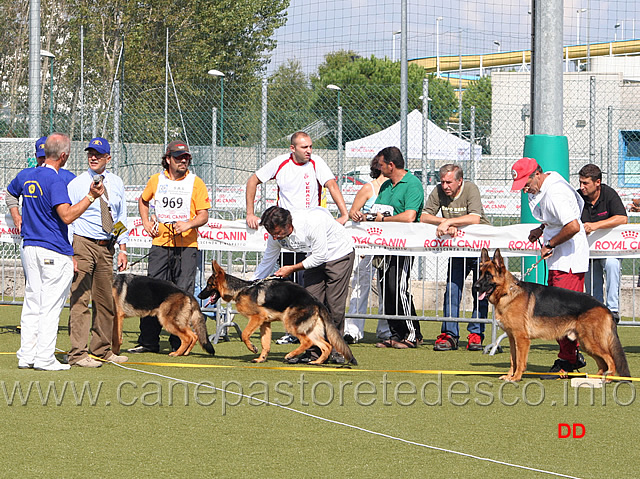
548 245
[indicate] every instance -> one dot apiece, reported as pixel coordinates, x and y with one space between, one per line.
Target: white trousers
48 276
360 288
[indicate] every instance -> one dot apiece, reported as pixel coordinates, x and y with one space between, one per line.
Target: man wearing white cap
558 207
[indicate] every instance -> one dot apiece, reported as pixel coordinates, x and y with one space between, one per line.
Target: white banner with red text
418 239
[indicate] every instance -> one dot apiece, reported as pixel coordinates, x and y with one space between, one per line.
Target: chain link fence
234 129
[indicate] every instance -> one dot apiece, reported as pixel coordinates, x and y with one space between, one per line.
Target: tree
370 95
478 94
232 36
289 99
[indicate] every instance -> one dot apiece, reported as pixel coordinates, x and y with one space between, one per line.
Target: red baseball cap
521 170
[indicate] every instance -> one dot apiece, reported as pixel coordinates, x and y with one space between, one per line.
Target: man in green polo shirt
402 198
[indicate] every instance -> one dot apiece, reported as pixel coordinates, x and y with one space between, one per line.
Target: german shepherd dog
275 299
177 311
529 311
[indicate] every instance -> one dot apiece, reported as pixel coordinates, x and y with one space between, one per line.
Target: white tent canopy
441 145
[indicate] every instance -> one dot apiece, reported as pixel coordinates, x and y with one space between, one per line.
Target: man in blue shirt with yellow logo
47 210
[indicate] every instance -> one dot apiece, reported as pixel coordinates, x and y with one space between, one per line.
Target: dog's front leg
512 358
254 322
522 351
265 338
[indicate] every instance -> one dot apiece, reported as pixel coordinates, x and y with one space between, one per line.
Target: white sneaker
55 366
287 339
24 365
88 362
114 358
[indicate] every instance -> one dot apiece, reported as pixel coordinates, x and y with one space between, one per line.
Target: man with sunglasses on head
181 206
94 244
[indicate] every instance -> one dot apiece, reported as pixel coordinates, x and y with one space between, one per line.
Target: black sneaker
304 358
350 339
616 316
564 366
141 349
336 358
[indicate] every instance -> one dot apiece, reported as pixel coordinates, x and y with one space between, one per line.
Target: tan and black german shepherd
529 311
276 299
177 311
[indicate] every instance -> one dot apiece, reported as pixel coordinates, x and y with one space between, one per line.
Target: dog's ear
497 259
216 268
484 256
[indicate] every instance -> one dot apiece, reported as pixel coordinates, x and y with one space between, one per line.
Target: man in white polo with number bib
300 177
182 205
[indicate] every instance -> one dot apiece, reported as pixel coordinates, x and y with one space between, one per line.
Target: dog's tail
334 337
619 358
199 325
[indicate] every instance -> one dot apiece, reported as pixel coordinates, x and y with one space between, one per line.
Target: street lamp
51 56
394 44
578 12
498 44
438 20
218 73
335 88
615 31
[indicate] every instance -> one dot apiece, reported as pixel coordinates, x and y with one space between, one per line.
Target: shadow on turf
9 330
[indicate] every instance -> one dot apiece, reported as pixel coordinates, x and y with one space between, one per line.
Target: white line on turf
358 428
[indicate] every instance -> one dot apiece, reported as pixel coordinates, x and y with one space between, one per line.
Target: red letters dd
565 430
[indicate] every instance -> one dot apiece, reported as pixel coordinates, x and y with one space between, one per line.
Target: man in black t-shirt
603 208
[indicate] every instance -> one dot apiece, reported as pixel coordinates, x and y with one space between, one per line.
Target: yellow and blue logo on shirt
33 189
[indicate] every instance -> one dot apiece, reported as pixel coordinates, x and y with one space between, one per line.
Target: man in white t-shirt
300 177
558 207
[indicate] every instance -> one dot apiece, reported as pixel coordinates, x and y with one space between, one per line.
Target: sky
317 27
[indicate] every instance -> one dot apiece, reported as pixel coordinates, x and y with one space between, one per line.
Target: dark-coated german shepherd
177 311
278 300
529 311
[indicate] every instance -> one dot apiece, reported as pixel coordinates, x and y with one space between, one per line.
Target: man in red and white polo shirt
300 176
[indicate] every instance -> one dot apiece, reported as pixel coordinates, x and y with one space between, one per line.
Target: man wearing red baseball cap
558 207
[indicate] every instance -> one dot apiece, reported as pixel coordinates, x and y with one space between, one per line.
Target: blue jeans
459 269
593 281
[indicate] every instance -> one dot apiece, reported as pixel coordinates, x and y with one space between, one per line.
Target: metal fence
234 131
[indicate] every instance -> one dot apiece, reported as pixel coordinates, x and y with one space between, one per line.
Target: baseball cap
100 145
177 148
521 170
40 147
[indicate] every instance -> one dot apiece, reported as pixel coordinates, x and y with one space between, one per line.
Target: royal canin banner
416 239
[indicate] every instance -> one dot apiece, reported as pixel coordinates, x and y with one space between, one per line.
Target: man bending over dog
327 267
555 203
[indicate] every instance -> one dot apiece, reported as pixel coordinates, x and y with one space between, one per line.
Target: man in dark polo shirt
603 208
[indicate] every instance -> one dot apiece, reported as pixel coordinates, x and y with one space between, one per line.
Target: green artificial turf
141 425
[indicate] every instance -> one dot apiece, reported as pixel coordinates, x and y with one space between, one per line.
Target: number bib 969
173 199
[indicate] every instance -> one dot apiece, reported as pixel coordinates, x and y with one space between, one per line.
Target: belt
97 241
